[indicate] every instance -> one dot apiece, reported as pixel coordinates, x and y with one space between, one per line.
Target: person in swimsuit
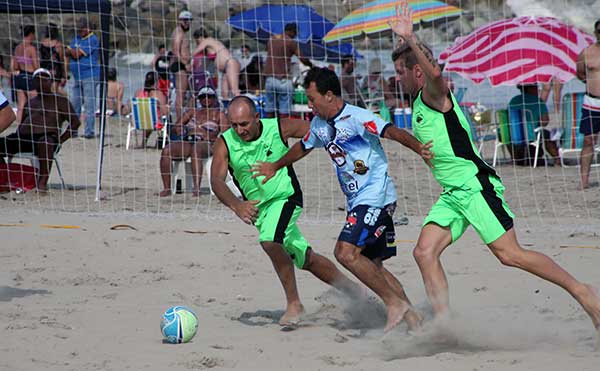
473 193
114 95
41 130
193 136
52 57
224 61
588 71
180 60
23 63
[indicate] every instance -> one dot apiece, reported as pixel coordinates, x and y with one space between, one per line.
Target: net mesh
131 177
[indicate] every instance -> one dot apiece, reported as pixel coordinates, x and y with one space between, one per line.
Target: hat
185 15
207 90
375 66
83 22
40 71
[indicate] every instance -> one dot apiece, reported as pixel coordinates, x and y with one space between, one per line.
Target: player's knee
309 257
510 257
345 254
424 251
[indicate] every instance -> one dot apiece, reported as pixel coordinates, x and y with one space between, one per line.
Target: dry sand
99 293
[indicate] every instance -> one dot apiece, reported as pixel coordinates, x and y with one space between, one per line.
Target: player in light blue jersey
351 137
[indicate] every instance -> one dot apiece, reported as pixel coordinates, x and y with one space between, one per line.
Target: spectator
279 89
350 89
193 137
23 63
151 90
251 81
204 71
52 57
181 59
40 130
530 101
588 71
224 61
374 84
114 95
85 70
160 63
245 56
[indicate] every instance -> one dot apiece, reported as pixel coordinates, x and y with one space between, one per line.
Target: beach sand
99 293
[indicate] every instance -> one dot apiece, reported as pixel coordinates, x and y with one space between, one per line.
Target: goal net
118 63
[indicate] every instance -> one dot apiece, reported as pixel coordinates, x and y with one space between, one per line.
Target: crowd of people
180 71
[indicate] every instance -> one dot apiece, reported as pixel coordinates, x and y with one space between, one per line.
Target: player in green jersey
272 207
472 192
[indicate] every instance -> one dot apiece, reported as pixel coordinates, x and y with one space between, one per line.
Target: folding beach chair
144 117
523 133
572 140
502 134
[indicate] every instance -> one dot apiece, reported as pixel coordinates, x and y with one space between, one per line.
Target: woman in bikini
224 61
23 63
193 136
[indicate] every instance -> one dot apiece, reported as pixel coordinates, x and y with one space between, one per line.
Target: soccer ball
179 325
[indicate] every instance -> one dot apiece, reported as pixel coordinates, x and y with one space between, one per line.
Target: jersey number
337 154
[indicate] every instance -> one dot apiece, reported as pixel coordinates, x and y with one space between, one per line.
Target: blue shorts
590 122
371 229
279 93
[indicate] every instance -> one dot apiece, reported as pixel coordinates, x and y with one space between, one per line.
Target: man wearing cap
193 136
40 130
85 69
180 59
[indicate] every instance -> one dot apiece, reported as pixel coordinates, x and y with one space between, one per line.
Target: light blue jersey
351 139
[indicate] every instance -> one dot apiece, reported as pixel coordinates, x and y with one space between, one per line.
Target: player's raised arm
435 86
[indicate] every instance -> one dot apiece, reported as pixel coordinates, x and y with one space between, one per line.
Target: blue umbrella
262 22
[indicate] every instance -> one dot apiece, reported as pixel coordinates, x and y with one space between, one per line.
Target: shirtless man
193 136
279 89
41 127
224 61
180 59
588 71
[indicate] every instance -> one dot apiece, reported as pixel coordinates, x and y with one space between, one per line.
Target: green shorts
277 223
479 203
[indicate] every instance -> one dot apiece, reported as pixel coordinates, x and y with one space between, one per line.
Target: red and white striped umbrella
517 50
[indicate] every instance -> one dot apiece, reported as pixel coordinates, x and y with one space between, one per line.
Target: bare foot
413 319
292 315
165 193
195 193
395 314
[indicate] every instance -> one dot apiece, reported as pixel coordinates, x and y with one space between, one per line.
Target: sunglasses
204 96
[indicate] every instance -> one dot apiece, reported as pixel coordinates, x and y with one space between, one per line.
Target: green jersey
268 147
456 158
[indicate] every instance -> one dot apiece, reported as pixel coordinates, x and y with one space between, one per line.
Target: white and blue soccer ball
179 324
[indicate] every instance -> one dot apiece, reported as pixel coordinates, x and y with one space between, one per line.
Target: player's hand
247 211
402 25
266 169
426 153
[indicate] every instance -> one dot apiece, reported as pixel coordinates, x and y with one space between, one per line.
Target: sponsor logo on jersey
342 135
306 137
337 154
371 127
360 168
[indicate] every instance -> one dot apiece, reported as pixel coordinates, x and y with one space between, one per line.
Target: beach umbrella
372 18
517 50
262 22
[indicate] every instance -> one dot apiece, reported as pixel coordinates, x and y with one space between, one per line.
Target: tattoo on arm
427 54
